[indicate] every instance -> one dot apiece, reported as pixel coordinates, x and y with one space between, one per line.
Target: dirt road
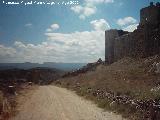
54 103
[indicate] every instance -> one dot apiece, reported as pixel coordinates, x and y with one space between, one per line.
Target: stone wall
143 42
152 40
110 43
150 14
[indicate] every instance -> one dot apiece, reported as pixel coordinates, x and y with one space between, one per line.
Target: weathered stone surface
150 14
142 42
110 39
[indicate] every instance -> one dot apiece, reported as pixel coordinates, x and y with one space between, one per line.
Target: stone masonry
142 42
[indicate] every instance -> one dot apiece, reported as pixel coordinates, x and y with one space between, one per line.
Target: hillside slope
132 80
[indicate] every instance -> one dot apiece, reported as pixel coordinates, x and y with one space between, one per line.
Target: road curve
54 103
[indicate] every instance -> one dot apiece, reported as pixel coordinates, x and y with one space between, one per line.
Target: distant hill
28 65
38 75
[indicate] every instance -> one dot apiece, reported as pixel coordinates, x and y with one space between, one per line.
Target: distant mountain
28 65
64 66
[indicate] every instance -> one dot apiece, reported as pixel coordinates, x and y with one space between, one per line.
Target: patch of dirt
54 103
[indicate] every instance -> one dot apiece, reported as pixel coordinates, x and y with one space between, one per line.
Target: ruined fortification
142 42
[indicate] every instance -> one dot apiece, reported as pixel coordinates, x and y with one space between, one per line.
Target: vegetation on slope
135 78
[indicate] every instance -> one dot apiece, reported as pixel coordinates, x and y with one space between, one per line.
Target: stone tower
150 21
110 36
142 42
150 15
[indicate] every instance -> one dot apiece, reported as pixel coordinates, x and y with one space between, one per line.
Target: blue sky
59 33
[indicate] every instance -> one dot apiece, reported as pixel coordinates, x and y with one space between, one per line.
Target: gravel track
54 103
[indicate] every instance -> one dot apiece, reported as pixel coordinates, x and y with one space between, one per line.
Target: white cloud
99 1
19 44
53 27
82 17
28 25
88 8
85 46
130 28
84 11
49 30
6 53
77 9
126 21
100 25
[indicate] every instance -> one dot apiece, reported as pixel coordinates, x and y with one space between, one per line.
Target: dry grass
126 77
9 104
